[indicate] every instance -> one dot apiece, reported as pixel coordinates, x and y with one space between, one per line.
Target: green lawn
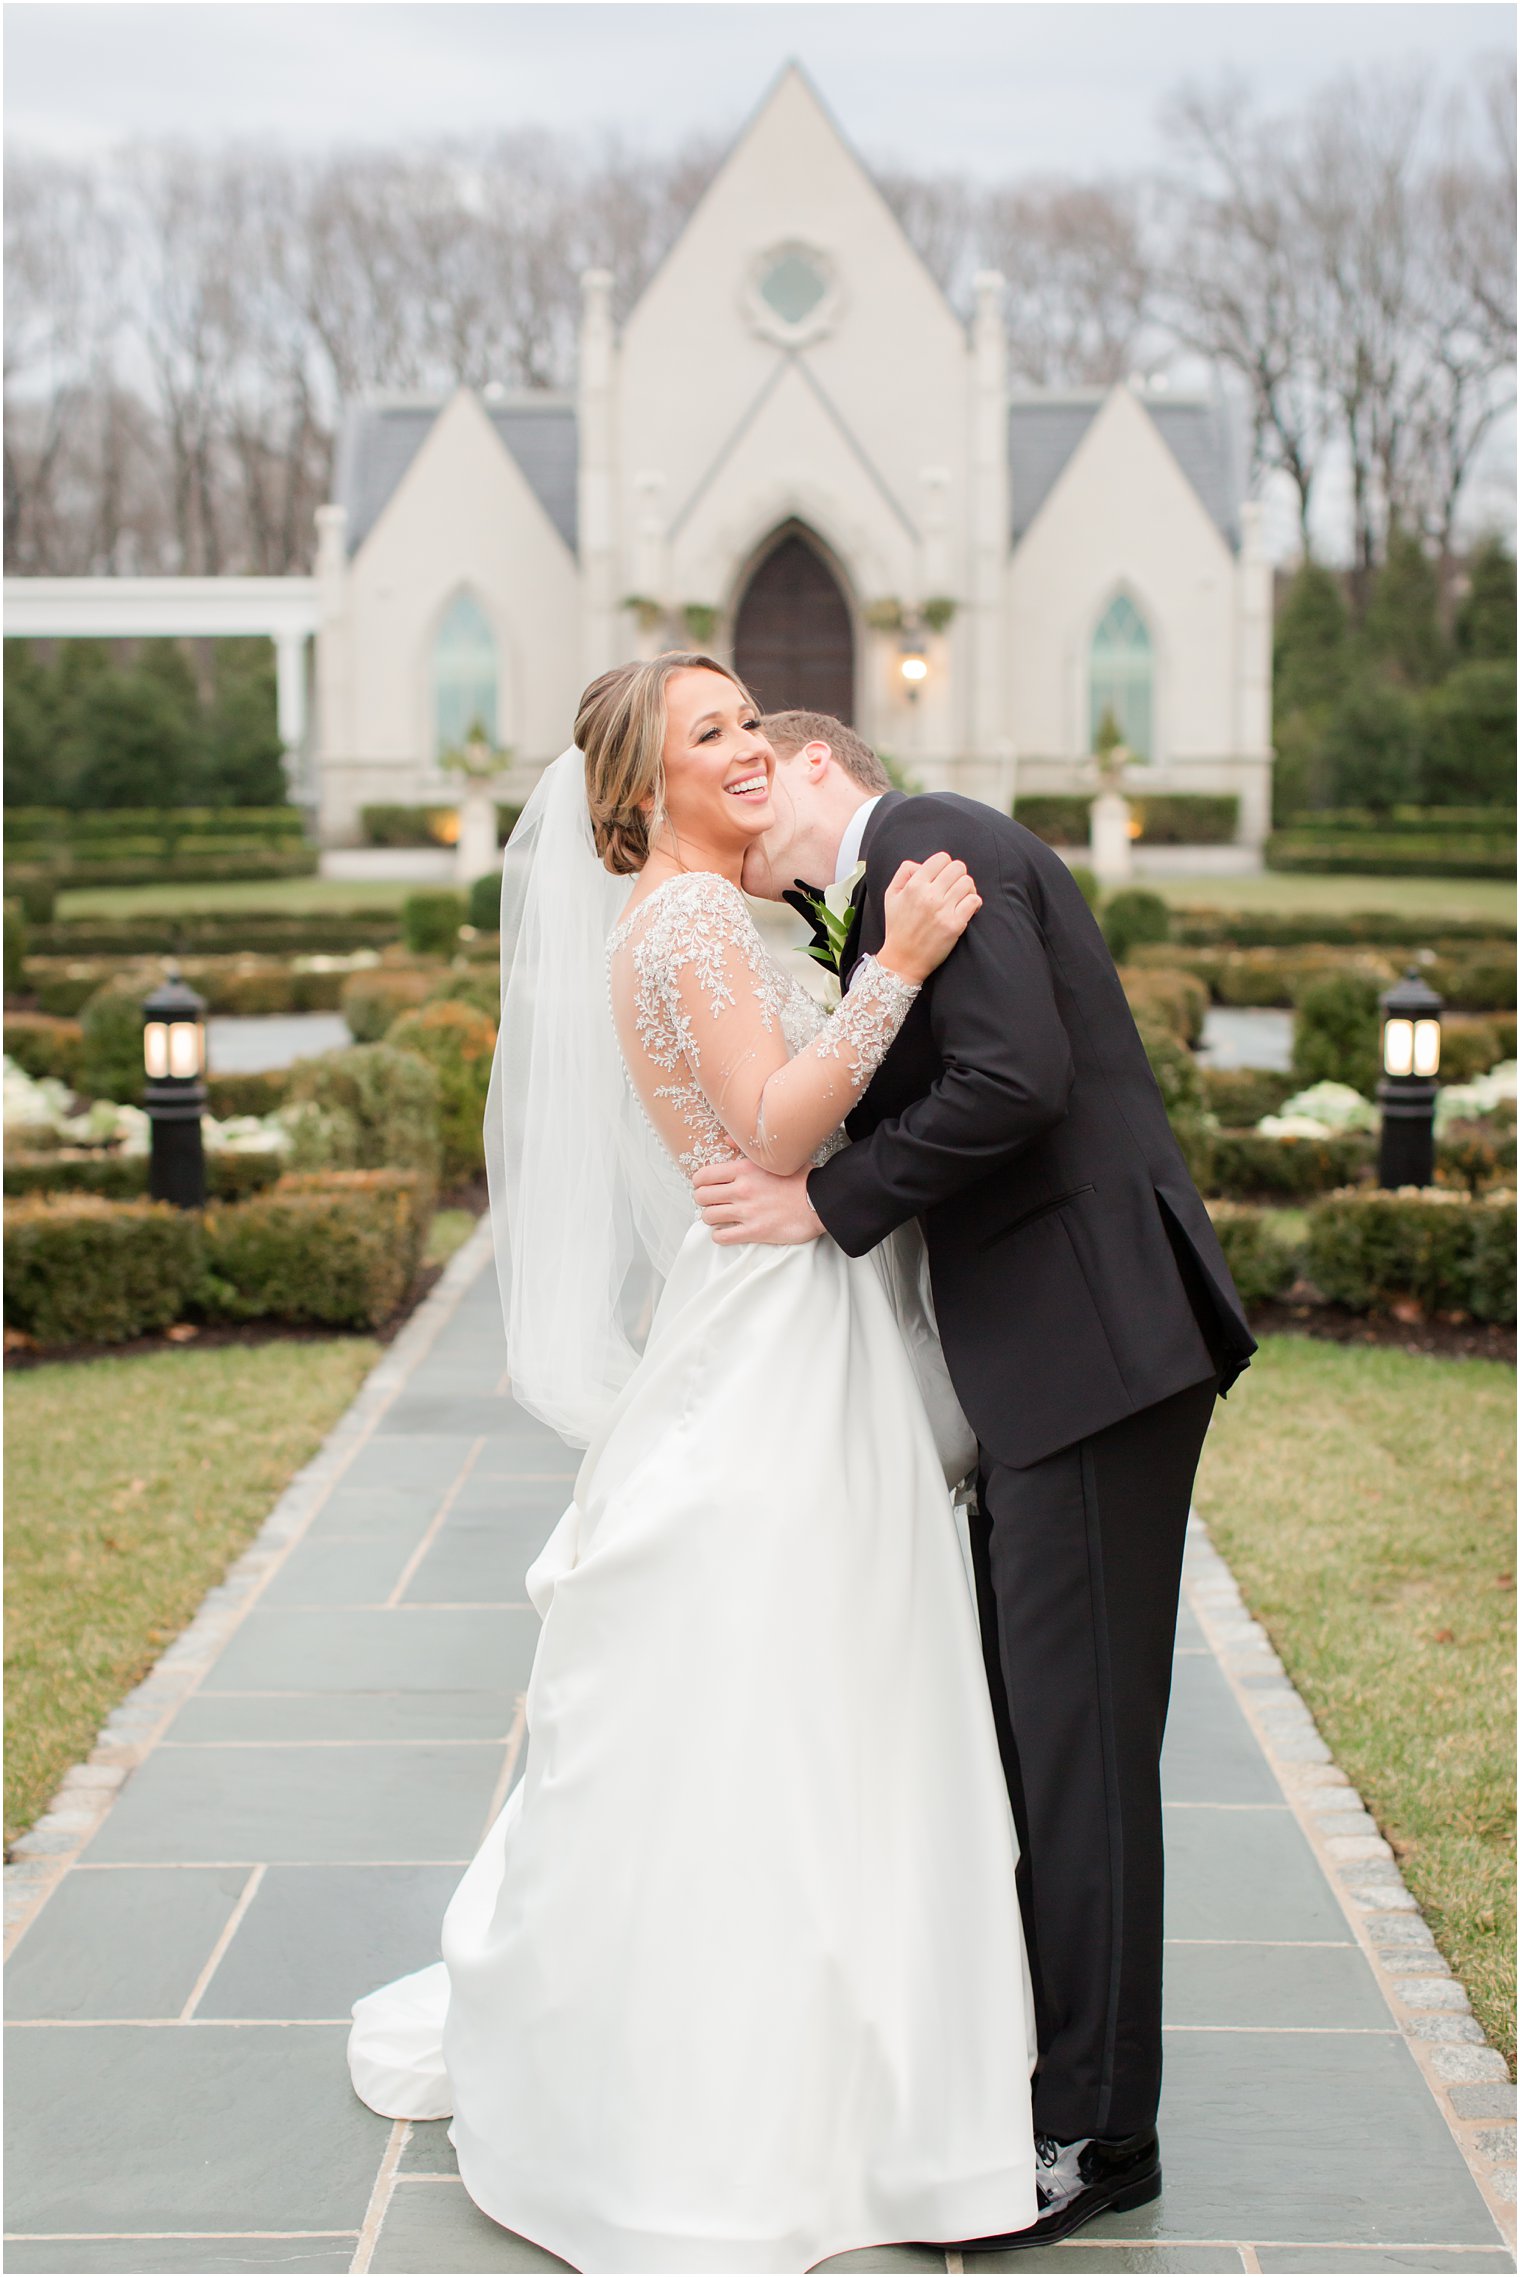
292 896
450 1230
1291 893
1365 1501
1285 893
131 1485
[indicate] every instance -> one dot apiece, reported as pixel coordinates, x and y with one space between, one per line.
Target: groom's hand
741 1203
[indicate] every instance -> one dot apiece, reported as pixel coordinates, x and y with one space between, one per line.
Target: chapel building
796 454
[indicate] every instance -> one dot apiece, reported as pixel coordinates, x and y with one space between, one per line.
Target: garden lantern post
1407 1092
174 1062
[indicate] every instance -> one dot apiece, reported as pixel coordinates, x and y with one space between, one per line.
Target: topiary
45 1046
80 1269
372 1001
458 1041
111 1062
483 904
15 948
1263 1262
1336 1032
1175 1000
431 922
339 1247
1132 918
479 986
367 1108
1176 1073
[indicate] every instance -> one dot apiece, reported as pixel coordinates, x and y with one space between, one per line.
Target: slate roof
1044 431
380 439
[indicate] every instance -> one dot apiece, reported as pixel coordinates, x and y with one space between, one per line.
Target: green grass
131 1485
1364 1499
293 897
1290 893
1284 892
449 1232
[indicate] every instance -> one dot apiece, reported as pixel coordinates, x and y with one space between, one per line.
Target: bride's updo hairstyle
620 732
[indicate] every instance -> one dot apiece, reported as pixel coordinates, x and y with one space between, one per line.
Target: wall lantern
1407 1093
174 1062
912 663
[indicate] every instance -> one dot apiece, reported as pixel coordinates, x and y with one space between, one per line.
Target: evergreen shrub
1177 1000
83 1270
340 1249
430 922
1245 1166
1132 919
373 1001
458 1041
1337 1033
483 903
111 1024
1263 1261
1444 1251
15 948
1240 1096
45 1046
366 1108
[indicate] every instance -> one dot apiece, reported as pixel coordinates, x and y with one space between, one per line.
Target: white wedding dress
737 1980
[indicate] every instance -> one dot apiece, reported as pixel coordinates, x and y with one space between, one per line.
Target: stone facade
790 448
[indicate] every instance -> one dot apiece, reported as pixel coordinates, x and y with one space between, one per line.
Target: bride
737 1979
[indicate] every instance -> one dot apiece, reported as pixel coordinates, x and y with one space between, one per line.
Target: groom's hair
787 732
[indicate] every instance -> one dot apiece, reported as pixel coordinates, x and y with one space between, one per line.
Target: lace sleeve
720 997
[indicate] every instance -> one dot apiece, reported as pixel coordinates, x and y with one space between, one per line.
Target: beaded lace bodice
728 1053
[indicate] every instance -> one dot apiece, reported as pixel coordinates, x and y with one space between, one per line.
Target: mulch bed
1447 1339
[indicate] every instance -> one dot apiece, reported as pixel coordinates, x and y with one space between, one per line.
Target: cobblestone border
41 1857
1469 2079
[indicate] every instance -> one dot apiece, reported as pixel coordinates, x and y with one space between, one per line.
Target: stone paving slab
297 1787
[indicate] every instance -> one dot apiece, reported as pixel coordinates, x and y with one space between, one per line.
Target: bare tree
941 217
1238 284
1079 279
62 308
1464 313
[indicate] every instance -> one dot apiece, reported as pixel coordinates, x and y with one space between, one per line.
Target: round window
792 284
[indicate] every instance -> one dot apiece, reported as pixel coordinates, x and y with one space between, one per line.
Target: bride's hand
928 907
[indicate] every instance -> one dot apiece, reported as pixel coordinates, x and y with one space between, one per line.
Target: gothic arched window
1119 676
464 674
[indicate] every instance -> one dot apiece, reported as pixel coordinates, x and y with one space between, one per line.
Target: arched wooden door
794 648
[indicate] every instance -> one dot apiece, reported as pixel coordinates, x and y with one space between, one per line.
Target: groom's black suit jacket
1016 1115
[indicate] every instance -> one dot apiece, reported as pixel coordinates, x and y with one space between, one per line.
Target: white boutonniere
833 915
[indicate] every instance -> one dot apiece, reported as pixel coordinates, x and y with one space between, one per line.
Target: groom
1089 1321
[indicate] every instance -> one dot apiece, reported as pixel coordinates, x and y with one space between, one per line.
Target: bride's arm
777 1109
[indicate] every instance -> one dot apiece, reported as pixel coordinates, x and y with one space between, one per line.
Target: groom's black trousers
1079 1563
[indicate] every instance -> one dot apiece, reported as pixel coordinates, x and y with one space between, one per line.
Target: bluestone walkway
307 1794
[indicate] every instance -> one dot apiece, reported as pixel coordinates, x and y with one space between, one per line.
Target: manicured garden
1365 1502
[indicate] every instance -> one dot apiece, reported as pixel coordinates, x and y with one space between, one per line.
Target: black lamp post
174 1061
1407 1092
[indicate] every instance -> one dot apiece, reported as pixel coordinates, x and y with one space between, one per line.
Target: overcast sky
996 86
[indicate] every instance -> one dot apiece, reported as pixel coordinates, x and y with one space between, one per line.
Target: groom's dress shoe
1081 2179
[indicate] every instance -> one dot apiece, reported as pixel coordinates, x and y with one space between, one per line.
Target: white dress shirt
854 831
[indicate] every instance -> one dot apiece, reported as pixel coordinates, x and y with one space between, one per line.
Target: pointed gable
381 437
791 269
1046 431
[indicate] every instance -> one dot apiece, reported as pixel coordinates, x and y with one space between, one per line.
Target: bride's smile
718 770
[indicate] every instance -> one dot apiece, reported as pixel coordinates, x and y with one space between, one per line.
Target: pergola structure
281 609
